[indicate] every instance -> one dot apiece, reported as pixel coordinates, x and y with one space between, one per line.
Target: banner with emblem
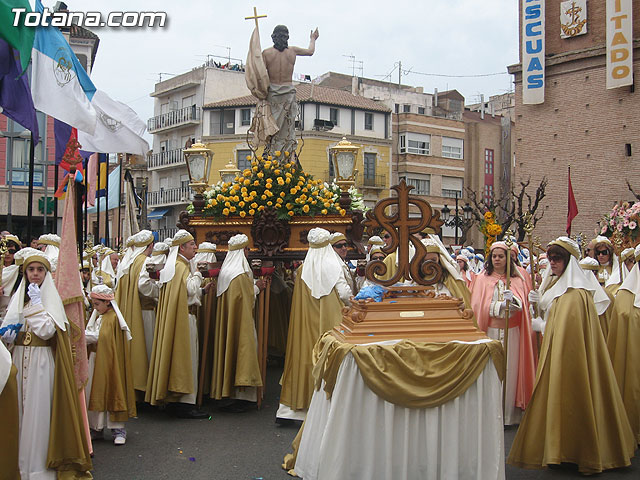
619 43
118 128
59 85
533 33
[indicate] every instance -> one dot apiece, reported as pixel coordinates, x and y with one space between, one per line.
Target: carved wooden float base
420 317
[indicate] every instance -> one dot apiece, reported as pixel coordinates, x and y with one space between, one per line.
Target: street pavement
237 446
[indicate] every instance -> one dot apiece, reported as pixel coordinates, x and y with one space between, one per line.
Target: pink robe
481 296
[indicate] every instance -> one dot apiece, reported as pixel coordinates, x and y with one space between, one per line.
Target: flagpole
106 208
120 203
30 194
98 200
86 203
55 201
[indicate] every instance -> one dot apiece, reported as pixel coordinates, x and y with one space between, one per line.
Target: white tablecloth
357 435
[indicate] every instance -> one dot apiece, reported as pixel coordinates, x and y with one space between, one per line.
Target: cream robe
149 290
36 369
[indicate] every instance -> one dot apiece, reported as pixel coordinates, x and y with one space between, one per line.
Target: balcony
370 181
166 159
169 196
173 119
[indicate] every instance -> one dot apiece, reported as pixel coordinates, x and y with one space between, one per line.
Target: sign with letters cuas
533 30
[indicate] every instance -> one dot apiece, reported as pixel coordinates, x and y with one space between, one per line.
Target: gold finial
507 238
528 223
255 16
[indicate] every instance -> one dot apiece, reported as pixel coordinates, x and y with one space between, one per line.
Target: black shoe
189 411
239 406
288 422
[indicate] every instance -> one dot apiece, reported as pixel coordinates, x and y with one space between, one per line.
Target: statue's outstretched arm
312 45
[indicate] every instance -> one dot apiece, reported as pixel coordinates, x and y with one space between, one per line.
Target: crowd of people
167 325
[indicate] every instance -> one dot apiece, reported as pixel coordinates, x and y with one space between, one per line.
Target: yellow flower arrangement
490 229
274 182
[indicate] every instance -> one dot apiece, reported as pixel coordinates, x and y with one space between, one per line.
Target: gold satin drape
128 299
10 431
408 374
624 349
170 369
576 414
112 386
235 358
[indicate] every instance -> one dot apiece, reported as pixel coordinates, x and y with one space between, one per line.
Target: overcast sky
447 37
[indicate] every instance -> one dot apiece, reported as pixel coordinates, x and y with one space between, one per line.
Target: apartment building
326 116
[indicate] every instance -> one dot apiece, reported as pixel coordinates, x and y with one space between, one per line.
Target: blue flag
15 94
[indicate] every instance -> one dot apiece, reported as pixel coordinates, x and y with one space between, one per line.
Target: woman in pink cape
488 300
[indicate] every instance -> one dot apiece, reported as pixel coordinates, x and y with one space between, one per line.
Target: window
415 143
488 174
422 185
215 124
241 156
488 161
488 193
397 108
184 181
452 147
452 187
406 108
369 169
368 121
18 145
229 121
188 101
245 114
421 110
334 115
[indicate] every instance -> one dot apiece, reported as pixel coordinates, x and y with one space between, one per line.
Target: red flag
573 206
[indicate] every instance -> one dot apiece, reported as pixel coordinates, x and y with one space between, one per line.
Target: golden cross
255 16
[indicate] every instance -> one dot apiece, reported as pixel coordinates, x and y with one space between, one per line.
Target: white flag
118 128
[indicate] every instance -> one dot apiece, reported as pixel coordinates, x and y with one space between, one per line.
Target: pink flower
632 225
620 227
604 230
626 222
612 222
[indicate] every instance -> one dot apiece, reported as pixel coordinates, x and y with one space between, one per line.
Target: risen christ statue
274 121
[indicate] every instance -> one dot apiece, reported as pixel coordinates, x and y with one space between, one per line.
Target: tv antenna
355 64
160 74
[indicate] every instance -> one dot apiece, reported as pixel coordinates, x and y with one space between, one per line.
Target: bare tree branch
632 191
